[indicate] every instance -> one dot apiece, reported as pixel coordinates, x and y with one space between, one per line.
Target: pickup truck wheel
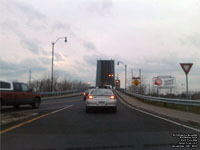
36 103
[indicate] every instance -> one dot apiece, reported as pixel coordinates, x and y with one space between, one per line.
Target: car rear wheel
36 103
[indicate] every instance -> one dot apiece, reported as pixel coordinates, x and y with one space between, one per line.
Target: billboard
164 82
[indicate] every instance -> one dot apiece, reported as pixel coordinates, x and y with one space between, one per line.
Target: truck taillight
112 97
90 97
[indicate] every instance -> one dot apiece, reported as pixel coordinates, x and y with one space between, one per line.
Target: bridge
141 122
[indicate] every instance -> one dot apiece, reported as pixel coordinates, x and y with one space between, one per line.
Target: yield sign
186 67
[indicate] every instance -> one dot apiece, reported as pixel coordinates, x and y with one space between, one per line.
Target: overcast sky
154 35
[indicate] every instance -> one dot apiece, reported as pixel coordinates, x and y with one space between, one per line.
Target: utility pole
140 80
52 66
125 70
132 79
125 76
53 44
29 77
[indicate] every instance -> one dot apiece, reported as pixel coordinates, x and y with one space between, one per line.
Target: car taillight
90 97
112 97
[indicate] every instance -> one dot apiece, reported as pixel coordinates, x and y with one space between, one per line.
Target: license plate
101 102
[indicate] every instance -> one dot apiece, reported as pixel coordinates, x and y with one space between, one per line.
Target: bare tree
44 84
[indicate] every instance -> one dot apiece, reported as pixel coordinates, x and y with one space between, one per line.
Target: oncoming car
101 98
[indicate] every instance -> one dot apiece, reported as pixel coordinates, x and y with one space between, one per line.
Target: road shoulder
189 118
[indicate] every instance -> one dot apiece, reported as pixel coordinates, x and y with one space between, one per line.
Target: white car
101 98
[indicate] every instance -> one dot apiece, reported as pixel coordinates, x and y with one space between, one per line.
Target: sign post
186 68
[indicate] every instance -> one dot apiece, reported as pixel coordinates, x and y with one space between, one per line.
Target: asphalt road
63 124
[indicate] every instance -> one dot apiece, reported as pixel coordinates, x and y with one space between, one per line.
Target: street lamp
125 70
53 44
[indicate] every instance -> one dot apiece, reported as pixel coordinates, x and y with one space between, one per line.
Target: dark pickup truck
16 94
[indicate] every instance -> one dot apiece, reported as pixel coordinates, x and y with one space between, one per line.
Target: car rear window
101 92
5 85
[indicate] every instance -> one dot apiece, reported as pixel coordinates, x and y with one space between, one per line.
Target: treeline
44 84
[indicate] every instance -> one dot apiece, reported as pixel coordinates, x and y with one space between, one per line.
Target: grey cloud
22 14
46 53
62 26
191 39
28 43
18 16
81 67
100 7
27 13
58 57
92 59
89 46
45 60
16 70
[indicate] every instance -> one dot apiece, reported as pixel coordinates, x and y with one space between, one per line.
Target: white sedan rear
101 98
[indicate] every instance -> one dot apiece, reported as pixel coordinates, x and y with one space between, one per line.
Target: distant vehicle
101 98
85 94
17 93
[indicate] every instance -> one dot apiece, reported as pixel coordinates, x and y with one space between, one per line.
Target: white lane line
53 112
174 122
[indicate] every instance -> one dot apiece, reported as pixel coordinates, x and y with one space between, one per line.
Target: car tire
36 103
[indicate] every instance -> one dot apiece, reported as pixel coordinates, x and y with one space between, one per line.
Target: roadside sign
186 67
158 82
136 78
166 82
136 82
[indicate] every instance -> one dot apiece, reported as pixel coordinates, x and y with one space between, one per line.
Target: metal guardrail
46 94
185 102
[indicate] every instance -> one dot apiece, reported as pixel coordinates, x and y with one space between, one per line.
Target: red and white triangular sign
186 67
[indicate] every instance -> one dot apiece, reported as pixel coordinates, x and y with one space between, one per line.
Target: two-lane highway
63 124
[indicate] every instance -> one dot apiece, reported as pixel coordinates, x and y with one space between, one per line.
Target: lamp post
53 44
125 70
